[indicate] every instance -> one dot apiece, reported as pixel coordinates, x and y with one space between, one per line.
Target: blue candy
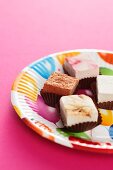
111 131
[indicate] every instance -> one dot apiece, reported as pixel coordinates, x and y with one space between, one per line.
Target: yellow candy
107 117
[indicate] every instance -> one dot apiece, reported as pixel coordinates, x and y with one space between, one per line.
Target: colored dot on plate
106 71
108 57
111 131
106 118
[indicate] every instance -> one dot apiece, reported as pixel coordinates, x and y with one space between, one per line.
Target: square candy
81 68
60 84
104 88
75 109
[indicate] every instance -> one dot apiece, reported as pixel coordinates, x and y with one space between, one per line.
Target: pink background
30 29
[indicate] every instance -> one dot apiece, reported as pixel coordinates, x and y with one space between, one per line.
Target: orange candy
108 57
107 117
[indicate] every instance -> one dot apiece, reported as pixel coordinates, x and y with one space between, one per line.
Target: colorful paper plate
44 120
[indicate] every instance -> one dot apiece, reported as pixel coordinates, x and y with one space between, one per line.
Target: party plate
45 120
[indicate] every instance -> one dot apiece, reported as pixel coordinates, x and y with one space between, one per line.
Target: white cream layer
77 109
104 88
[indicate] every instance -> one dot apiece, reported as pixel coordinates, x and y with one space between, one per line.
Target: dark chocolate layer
106 105
50 98
81 127
83 83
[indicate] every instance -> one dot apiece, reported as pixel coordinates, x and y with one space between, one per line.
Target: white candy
81 68
77 109
104 88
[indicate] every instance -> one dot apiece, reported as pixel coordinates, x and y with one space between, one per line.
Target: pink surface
30 29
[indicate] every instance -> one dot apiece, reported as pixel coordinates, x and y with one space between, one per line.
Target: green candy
66 133
106 71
